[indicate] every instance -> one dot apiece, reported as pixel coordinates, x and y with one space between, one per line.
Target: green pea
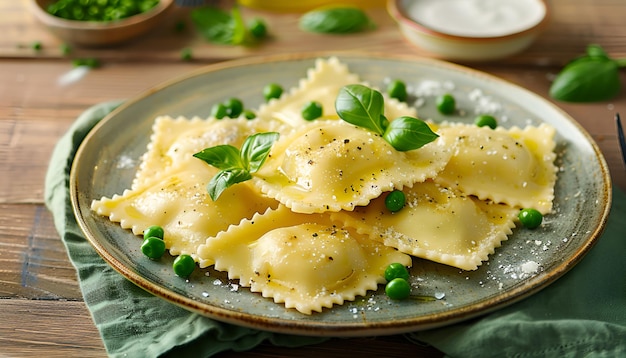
272 90
398 289
258 28
249 114
65 49
219 111
446 104
486 120
397 89
186 54
234 107
312 110
184 265
396 270
36 45
530 218
153 247
395 201
154 230
89 62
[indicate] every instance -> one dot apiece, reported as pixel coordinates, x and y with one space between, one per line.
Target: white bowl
470 30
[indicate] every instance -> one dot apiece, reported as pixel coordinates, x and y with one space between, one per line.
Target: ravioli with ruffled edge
169 189
449 196
305 261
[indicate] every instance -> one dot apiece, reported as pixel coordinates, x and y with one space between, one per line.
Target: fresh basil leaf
214 24
361 106
219 26
224 179
408 133
256 148
587 79
223 157
241 35
336 20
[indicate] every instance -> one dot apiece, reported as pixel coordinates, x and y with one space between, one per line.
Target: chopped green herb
99 10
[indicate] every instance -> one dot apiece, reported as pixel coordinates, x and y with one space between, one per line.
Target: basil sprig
236 165
223 27
364 107
336 20
590 78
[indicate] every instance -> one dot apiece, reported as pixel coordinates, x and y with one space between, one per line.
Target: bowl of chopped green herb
97 23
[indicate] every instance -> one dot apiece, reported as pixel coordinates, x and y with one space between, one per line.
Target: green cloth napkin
582 314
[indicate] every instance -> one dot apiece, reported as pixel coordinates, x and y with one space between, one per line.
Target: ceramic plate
530 260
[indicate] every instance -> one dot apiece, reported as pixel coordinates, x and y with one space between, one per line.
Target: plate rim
359 327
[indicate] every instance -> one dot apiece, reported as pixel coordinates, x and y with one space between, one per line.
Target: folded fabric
582 314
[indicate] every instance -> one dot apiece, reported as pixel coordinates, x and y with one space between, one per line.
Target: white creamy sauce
477 18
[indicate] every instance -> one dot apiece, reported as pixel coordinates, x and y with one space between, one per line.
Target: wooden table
41 307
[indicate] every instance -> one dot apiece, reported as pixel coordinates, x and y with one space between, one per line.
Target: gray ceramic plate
106 162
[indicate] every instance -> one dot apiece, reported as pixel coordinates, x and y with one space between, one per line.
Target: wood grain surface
41 308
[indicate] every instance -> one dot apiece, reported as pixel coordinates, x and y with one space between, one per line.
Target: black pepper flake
346 141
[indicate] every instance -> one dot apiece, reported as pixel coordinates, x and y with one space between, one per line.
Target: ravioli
311 229
437 224
302 260
170 190
322 84
175 140
334 165
513 166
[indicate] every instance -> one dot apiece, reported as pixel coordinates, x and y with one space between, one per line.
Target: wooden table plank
39 328
573 25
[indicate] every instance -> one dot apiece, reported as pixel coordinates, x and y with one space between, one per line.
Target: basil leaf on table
591 78
236 166
222 27
336 20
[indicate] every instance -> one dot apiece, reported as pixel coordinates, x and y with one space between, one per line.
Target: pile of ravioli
311 229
